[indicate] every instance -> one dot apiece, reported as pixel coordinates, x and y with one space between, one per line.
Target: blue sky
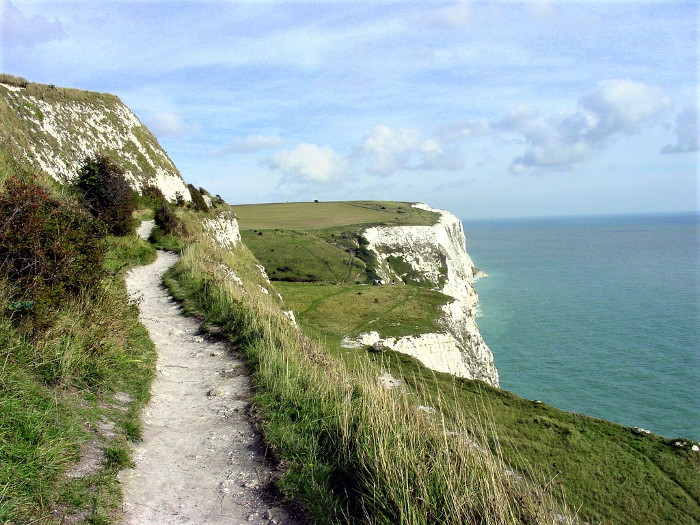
488 109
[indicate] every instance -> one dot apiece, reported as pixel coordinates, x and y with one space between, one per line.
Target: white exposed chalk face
224 229
290 315
438 254
64 133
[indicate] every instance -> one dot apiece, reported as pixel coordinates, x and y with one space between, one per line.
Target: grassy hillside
352 451
609 473
52 129
75 374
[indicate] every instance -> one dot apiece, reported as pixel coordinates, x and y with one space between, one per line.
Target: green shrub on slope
69 341
106 194
49 249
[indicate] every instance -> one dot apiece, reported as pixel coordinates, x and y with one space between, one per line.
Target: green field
335 311
304 256
320 215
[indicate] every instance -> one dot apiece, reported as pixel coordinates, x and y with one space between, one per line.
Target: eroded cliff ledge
435 255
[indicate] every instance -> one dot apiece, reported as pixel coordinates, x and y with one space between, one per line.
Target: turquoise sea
596 315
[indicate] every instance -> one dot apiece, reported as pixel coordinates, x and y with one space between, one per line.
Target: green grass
56 390
162 241
322 215
353 451
128 251
302 256
334 311
609 473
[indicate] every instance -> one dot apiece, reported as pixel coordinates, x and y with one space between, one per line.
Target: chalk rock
437 255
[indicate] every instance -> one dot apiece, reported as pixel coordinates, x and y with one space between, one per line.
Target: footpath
200 459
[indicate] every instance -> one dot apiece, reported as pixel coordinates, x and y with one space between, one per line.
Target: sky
487 109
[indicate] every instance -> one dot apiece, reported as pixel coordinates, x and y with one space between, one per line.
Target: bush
152 197
48 248
168 222
198 202
106 194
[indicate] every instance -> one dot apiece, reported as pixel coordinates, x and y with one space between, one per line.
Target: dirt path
199 461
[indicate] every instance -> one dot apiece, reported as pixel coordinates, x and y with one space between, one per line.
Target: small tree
168 222
106 194
198 202
152 197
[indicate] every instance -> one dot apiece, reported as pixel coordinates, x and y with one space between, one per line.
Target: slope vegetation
52 130
609 473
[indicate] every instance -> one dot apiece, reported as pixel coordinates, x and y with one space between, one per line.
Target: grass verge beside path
70 400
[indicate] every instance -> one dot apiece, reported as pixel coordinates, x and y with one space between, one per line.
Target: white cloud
564 140
309 163
455 16
20 30
250 144
623 106
390 150
435 157
687 132
169 125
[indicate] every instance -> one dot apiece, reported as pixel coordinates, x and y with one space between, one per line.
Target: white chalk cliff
436 254
54 129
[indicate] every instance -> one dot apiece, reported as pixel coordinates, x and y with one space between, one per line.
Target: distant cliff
53 129
435 255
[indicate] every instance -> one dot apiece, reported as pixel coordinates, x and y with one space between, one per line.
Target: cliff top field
318 215
310 248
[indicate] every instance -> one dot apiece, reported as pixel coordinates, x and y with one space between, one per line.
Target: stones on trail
200 460
232 372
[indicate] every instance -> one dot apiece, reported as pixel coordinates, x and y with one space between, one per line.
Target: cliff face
54 129
436 256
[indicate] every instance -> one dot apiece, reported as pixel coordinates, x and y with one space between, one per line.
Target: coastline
541 338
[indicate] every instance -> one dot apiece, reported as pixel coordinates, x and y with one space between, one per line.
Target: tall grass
353 450
58 385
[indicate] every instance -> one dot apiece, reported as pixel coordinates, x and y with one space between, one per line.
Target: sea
596 315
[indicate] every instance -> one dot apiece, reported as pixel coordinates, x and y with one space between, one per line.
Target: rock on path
199 461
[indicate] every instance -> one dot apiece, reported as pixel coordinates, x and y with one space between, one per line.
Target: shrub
168 222
152 197
198 202
13 80
48 248
106 194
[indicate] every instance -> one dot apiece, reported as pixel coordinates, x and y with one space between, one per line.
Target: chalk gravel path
199 461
